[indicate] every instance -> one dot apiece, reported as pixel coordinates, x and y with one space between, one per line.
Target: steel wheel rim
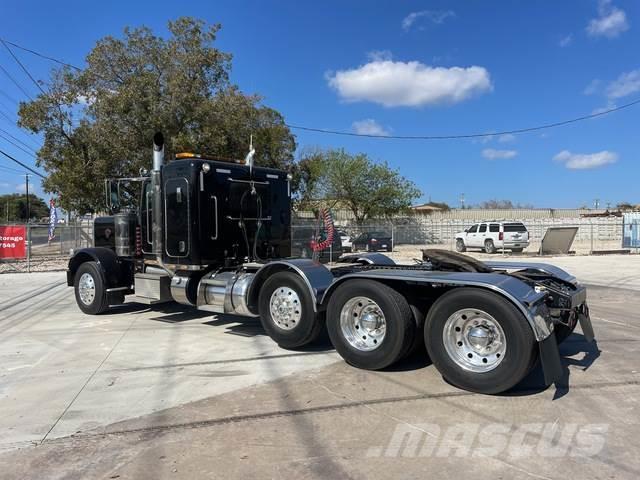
285 308
363 324
474 340
87 288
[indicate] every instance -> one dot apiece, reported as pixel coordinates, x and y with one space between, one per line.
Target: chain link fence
409 235
597 234
44 255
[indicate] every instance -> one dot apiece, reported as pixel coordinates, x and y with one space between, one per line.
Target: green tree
627 206
309 182
366 188
99 122
16 206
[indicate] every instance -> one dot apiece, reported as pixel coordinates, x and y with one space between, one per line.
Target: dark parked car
301 238
373 242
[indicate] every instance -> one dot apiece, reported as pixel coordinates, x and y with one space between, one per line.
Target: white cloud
626 84
493 154
592 88
507 138
379 55
606 108
21 188
369 126
409 84
433 16
566 41
582 161
610 23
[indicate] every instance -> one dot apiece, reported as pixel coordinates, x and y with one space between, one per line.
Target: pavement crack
87 381
306 411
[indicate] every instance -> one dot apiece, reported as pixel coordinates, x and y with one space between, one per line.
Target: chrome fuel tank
225 292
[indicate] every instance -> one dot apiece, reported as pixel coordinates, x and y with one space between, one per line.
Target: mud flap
550 359
585 324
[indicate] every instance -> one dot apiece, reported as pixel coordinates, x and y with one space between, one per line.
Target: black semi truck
216 235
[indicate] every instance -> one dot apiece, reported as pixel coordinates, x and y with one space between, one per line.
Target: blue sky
405 68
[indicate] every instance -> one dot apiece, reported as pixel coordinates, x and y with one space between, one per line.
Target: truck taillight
501 236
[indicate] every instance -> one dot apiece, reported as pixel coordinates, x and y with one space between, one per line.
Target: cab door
482 234
177 217
472 236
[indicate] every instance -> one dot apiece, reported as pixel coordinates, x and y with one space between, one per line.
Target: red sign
12 241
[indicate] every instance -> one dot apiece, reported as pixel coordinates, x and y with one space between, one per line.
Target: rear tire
489 247
460 246
90 290
286 311
489 356
370 324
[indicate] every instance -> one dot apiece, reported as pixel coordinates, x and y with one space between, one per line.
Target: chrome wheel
87 289
474 340
363 323
285 308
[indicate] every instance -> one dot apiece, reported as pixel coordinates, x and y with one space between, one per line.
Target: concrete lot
167 392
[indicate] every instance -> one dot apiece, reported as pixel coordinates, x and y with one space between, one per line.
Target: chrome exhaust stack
156 191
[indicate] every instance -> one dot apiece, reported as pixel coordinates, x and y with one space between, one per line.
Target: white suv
492 236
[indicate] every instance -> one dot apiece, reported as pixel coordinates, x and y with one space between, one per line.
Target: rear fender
523 296
316 276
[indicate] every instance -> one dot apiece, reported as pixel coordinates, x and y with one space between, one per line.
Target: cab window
473 229
483 228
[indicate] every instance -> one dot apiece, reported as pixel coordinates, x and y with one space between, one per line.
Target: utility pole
462 201
26 175
596 203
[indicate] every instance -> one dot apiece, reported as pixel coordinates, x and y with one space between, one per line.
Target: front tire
89 286
479 341
370 324
460 246
286 311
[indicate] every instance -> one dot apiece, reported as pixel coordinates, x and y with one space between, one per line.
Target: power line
8 97
22 164
41 55
470 135
16 145
397 137
18 140
9 119
9 169
37 84
15 82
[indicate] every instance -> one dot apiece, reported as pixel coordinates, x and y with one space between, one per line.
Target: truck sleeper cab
484 325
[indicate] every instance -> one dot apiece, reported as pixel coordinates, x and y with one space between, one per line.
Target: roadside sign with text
13 241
